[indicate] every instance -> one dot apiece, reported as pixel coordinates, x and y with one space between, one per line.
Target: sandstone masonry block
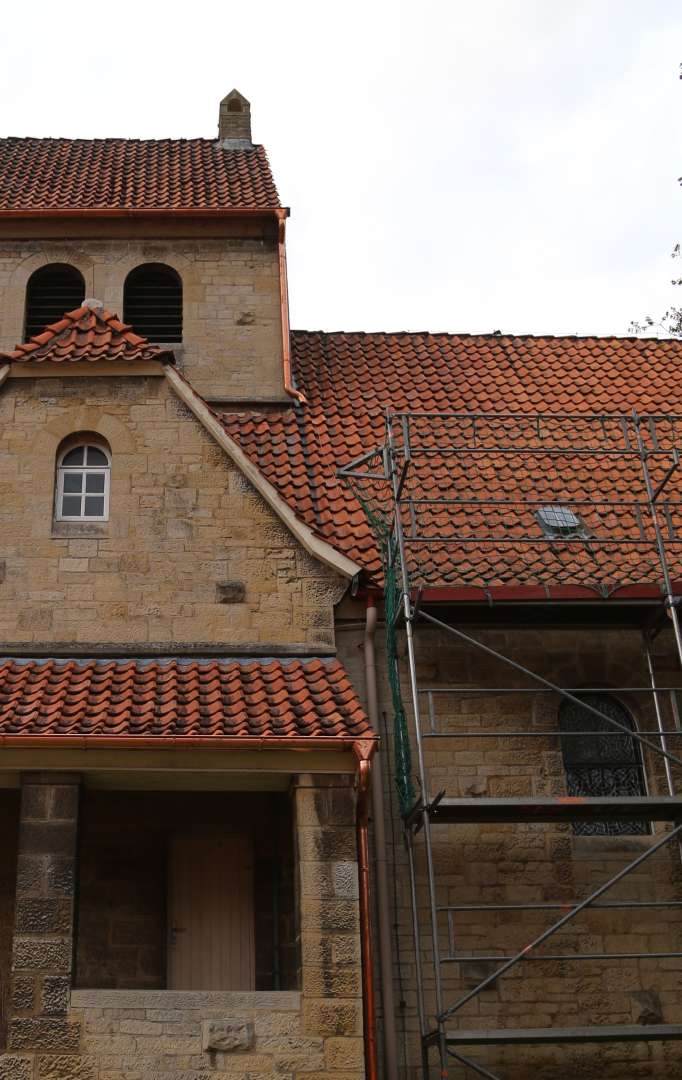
39 954
67 1067
13 1067
227 1035
38 916
43 1033
55 995
23 993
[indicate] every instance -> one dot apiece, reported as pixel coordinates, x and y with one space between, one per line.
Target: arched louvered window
51 291
605 762
152 302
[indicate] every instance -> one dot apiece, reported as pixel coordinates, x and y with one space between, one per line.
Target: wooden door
210 912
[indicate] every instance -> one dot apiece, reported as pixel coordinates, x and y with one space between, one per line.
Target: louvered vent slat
52 291
152 303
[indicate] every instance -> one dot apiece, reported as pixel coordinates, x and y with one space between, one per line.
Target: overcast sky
450 165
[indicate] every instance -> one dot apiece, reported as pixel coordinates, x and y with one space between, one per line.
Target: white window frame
86 469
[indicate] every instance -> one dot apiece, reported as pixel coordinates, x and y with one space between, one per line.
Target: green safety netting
379 519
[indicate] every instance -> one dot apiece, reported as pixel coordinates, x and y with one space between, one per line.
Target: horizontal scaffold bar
527 1036
564 808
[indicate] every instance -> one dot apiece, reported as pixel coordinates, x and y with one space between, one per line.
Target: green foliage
670 322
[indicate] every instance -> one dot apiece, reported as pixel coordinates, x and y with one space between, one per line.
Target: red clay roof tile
263 699
133 174
88 333
350 379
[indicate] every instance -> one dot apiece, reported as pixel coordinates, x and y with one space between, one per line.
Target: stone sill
230 1000
80 529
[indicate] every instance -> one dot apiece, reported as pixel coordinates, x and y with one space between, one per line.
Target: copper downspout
362 834
284 309
390 1039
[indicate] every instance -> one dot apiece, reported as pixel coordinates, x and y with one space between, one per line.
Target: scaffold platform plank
565 808
530 1036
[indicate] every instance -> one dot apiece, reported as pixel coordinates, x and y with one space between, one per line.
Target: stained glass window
604 763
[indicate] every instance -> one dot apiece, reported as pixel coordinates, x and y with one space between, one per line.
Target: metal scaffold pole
397 480
417 517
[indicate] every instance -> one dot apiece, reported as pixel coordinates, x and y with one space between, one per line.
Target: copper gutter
361 747
284 310
362 835
161 211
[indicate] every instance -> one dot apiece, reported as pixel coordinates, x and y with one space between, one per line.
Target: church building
340 731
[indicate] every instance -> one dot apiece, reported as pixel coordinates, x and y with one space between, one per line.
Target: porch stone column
42 953
329 938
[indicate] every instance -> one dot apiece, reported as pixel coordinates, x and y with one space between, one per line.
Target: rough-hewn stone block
231 592
52 955
61 871
23 993
55 995
67 1067
47 838
43 1033
39 916
34 798
13 1067
63 802
227 1035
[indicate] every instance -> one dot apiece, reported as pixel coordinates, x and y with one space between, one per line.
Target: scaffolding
461 499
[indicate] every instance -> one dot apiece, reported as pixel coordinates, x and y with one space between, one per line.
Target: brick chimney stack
234 122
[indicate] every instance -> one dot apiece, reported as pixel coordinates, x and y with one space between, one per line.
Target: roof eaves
152 211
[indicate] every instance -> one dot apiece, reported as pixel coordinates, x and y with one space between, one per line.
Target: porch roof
272 702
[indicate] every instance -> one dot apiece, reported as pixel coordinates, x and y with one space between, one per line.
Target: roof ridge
129 139
492 336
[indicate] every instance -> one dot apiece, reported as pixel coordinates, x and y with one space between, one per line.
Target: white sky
450 165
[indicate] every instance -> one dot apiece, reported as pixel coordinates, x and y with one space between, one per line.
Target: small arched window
604 762
83 478
51 291
152 302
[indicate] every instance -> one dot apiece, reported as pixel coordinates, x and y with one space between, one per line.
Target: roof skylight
560 521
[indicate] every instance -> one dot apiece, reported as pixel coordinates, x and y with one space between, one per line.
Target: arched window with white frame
83 481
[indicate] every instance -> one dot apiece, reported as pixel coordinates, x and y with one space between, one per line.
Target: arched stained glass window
604 763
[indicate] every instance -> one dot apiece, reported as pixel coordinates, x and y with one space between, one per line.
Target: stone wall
506 864
9 832
329 921
42 948
183 522
121 901
190 1034
231 317
181 1035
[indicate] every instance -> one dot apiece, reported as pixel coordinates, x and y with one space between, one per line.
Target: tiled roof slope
263 699
350 379
89 334
133 174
